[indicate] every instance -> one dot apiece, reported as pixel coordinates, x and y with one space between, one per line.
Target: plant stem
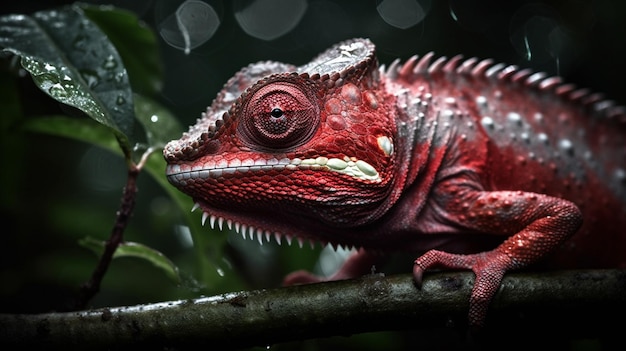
90 288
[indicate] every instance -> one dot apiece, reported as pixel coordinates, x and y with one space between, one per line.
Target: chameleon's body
490 167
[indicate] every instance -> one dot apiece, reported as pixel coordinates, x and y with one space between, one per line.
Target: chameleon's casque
466 163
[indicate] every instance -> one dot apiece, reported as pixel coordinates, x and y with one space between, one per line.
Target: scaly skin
468 164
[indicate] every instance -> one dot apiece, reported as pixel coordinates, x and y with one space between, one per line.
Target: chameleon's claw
418 273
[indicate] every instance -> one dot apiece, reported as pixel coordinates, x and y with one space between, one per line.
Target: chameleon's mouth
245 230
180 174
255 228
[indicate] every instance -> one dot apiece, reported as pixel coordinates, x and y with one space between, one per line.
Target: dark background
55 191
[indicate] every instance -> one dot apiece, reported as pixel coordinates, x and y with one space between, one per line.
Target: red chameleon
466 163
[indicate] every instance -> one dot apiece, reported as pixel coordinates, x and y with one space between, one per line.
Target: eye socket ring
278 116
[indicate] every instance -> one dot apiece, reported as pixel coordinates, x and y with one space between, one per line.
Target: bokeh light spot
192 25
403 14
538 36
269 19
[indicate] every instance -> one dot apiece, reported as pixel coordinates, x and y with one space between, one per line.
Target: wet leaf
81 129
160 126
136 44
132 249
72 60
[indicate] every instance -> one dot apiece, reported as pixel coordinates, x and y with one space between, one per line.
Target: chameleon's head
284 146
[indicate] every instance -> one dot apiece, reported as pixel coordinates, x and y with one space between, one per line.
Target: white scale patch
348 165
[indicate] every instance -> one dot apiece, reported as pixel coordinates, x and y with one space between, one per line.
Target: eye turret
279 116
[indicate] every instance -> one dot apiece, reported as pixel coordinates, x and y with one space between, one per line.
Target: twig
90 288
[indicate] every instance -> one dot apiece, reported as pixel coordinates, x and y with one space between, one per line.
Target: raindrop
453 14
269 19
120 100
474 16
90 77
57 91
537 35
154 118
192 25
109 63
403 14
620 175
529 54
80 42
120 77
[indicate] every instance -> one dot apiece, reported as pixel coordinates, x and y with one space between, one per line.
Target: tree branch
574 303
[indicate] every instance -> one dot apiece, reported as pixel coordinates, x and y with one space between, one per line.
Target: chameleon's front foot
488 267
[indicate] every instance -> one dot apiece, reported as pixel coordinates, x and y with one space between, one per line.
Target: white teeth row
262 236
246 231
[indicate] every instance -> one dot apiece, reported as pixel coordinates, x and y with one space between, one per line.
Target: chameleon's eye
278 116
277 113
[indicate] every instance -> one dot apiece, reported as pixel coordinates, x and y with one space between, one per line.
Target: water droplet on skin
567 146
620 174
120 100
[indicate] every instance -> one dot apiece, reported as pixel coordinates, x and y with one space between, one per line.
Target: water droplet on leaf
56 90
109 63
90 77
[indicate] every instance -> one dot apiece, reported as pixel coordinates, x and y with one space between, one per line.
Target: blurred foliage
56 191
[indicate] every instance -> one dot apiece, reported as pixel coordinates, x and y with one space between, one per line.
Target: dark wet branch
575 303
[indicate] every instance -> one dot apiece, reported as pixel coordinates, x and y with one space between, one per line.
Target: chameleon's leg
536 224
358 264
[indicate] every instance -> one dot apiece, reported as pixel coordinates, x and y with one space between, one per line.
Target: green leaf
72 60
160 125
81 129
208 248
136 44
132 249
